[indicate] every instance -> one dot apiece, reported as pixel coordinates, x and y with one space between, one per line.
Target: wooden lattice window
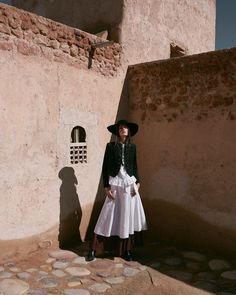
78 146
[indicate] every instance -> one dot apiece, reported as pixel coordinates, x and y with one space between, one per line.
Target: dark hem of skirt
115 245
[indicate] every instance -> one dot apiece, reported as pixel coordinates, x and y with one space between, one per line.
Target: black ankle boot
90 256
128 256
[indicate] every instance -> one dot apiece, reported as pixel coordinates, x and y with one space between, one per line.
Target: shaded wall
34 35
52 80
186 109
144 28
45 93
91 16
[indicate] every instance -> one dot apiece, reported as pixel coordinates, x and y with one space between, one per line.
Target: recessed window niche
78 145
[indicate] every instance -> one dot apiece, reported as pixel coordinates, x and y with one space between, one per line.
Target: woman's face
123 130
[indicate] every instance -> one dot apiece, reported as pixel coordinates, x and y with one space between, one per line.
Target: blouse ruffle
122 179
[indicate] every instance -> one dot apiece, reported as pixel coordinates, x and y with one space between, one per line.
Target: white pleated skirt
125 214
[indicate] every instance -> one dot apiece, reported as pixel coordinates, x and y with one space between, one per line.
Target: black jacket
113 160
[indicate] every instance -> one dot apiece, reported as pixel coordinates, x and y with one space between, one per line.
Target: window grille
78 146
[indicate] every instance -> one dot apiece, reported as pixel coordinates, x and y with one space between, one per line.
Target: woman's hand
133 192
109 193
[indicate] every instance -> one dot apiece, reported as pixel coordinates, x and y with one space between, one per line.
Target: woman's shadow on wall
70 210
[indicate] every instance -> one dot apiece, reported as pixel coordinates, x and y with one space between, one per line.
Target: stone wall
92 16
186 108
30 34
50 82
144 28
191 88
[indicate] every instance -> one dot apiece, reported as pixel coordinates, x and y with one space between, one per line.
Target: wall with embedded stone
53 78
186 108
30 34
91 16
144 28
47 89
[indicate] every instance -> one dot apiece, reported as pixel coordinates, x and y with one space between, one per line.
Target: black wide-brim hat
114 129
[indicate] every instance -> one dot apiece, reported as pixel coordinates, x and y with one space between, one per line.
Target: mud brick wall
34 35
186 110
145 28
192 88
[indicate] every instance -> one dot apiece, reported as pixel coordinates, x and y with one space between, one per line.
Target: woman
122 213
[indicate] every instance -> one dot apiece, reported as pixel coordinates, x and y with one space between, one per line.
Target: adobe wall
149 27
34 35
51 80
91 16
186 109
46 90
144 28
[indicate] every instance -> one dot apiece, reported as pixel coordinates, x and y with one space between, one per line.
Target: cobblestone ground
66 273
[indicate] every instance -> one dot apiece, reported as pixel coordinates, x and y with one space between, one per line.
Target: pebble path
66 273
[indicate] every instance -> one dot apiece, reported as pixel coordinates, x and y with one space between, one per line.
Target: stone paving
66 273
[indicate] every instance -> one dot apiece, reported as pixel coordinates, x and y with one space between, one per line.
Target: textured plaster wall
92 16
150 26
41 100
144 28
186 109
30 34
40 104
47 87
